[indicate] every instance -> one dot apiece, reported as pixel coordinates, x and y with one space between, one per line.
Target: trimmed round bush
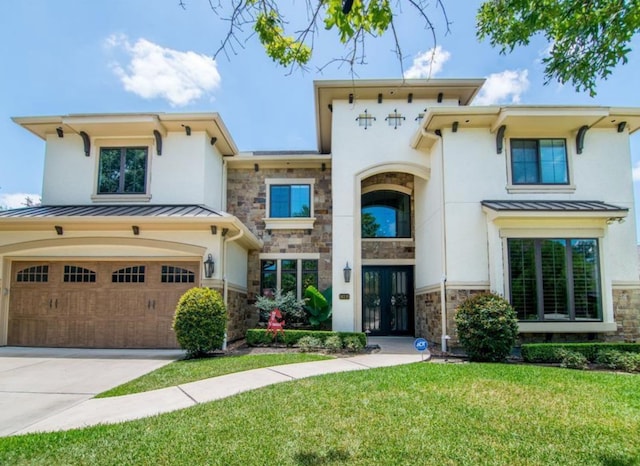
487 327
310 343
200 321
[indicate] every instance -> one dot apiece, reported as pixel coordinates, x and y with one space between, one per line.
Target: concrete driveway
36 383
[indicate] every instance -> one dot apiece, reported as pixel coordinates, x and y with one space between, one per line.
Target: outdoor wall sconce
208 266
347 273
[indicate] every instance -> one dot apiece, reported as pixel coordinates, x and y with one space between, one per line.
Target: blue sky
76 56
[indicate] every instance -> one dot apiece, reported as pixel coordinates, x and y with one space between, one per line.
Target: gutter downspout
225 288
443 282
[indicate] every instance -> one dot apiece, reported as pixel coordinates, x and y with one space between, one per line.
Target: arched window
386 214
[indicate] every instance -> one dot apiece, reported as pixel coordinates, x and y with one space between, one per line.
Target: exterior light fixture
347 273
208 266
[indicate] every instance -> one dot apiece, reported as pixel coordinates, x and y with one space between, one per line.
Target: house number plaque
344 296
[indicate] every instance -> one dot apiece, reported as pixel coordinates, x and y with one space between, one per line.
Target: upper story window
539 161
289 200
386 214
123 170
289 204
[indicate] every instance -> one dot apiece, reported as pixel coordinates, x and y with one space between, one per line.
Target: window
292 200
36 273
555 279
539 161
74 274
288 275
386 214
171 274
123 170
133 274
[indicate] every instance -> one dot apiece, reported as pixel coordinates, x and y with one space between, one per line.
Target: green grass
448 414
190 370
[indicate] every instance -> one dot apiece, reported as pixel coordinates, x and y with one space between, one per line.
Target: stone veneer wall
246 199
242 316
388 248
626 310
429 315
428 320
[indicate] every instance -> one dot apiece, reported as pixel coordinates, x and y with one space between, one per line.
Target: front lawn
190 370
451 414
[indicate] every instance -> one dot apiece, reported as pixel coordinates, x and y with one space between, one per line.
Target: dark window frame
539 162
403 227
122 189
275 270
273 213
129 274
562 278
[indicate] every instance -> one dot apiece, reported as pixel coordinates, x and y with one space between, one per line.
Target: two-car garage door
97 304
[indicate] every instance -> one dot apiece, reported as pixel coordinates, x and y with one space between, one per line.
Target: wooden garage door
97 304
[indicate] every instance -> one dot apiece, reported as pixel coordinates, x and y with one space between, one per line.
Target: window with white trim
288 275
555 279
289 203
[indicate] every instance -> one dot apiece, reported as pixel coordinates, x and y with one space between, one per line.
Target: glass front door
387 300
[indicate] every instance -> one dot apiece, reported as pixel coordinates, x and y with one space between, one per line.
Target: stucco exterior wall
358 153
71 178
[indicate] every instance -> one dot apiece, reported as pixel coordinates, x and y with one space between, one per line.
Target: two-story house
413 201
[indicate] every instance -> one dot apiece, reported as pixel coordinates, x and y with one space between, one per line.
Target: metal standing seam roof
167 211
552 206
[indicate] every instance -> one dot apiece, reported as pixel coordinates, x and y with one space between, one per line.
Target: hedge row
260 337
548 352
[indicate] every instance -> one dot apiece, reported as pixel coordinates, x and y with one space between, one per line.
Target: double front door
387 300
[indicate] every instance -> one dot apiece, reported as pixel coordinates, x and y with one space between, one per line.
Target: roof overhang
533 119
283 160
553 209
462 90
132 125
92 218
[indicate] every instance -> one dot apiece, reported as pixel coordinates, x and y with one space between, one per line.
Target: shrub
487 327
353 344
260 337
619 360
289 305
318 305
547 352
200 321
333 344
309 343
571 359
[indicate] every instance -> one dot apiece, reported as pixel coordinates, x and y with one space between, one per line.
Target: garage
97 304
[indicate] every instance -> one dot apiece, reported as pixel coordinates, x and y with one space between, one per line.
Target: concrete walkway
91 411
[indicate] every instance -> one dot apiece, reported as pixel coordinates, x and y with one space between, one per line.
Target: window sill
293 223
387 240
541 188
567 327
121 197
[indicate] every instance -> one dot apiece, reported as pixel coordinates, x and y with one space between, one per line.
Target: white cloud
505 87
17 200
428 64
636 172
153 71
